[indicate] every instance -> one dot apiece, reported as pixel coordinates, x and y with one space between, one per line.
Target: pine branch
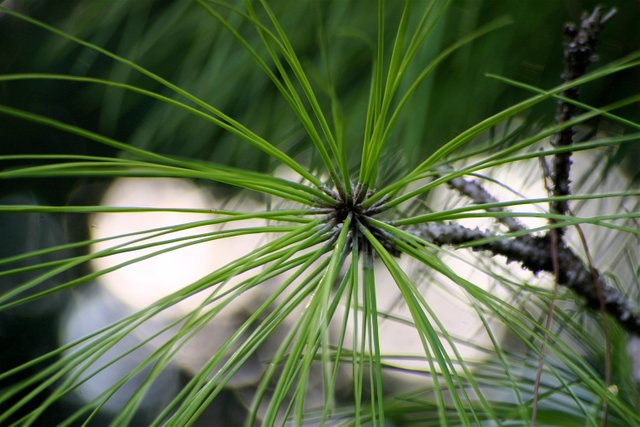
534 254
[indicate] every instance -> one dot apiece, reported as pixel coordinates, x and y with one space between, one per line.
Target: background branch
476 192
534 253
579 53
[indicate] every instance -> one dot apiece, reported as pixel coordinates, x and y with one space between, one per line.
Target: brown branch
534 253
579 53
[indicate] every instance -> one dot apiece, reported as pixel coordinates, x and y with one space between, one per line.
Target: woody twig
579 53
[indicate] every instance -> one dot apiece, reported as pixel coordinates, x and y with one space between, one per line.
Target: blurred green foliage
335 41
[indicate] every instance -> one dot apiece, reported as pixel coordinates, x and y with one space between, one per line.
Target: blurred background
177 40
